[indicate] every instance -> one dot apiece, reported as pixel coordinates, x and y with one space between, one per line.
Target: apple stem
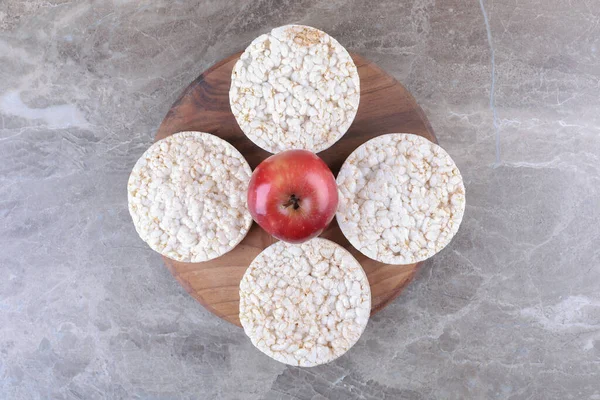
293 201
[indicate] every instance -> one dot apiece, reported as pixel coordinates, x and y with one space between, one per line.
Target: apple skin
293 195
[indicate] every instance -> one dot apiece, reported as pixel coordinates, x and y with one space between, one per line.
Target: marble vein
493 83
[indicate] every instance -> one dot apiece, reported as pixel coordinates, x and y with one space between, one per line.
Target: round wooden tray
385 107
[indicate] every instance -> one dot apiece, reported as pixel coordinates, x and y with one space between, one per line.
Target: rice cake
187 197
304 304
402 198
294 88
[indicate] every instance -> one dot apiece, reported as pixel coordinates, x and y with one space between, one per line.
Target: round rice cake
187 197
402 198
294 88
304 304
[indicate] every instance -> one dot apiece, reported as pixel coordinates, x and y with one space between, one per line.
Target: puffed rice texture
187 197
294 88
304 304
402 198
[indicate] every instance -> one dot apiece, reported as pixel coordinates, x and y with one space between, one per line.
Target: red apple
293 195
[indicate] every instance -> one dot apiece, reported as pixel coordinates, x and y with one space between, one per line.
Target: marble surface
509 310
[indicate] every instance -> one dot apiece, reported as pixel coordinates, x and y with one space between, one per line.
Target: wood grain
385 107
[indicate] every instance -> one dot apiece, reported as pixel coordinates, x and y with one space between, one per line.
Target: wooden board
385 107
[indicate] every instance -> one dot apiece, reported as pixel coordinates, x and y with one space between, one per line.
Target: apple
293 195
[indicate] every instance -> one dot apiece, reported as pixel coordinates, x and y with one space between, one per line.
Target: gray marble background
509 310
